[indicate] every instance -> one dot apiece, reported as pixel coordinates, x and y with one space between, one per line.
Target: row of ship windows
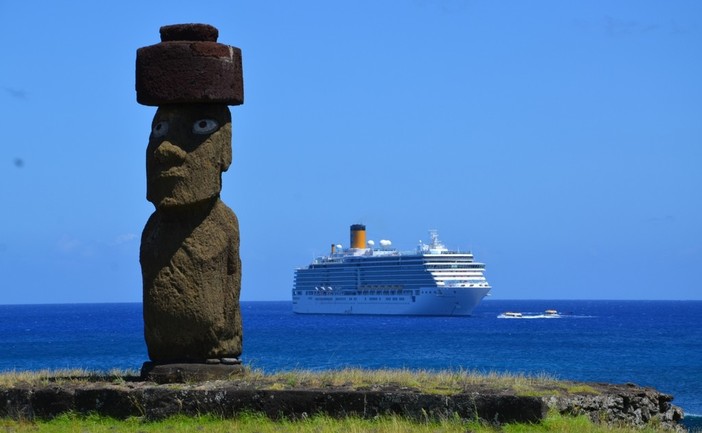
332 292
388 275
382 278
349 261
386 272
329 296
356 299
378 284
402 266
406 259
364 282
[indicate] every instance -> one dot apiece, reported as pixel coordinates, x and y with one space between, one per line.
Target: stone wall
624 404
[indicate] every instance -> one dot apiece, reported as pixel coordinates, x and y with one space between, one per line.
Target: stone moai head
189 148
192 79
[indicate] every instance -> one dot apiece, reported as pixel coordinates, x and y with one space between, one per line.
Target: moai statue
190 246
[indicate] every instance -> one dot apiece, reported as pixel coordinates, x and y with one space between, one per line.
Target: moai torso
191 274
190 245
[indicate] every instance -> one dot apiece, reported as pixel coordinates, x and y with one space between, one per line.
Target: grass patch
442 382
580 424
580 389
47 377
445 382
255 423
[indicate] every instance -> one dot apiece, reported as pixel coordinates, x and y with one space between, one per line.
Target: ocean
650 343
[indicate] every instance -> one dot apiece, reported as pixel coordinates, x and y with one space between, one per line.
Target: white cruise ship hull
431 281
430 302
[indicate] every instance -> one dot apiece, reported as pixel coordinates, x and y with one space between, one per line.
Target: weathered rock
189 66
189 373
189 32
628 404
190 246
189 255
107 400
189 148
16 402
51 401
297 404
191 273
614 404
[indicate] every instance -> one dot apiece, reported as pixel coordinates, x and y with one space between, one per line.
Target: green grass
46 377
254 423
444 382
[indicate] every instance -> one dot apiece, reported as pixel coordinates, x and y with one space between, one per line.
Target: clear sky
560 141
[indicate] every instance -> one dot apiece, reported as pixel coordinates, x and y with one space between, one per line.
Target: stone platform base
616 404
189 372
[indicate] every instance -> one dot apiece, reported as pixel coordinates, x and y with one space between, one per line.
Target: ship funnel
358 236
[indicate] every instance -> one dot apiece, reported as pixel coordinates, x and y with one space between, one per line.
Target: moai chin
190 245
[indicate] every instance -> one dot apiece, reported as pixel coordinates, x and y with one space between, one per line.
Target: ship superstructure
365 279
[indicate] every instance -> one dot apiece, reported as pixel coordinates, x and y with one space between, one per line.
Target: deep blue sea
651 343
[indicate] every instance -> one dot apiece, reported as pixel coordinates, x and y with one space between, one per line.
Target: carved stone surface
189 66
189 254
191 273
189 148
189 373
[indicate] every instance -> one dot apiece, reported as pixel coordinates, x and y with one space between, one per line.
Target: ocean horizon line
288 300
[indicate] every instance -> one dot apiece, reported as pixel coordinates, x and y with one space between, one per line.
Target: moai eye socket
160 129
205 126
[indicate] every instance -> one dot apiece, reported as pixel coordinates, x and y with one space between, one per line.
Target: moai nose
170 154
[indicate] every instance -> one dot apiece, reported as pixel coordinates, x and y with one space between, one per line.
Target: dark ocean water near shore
651 343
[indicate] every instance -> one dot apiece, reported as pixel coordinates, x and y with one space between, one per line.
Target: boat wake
528 316
548 314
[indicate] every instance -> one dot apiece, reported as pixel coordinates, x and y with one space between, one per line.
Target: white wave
540 316
530 316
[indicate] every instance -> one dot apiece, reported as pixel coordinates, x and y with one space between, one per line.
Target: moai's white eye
160 129
205 126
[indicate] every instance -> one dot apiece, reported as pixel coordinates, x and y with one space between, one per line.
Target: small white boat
512 314
551 312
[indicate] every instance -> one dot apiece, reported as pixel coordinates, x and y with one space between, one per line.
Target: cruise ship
365 279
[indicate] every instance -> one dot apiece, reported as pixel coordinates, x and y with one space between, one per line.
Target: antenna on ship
434 235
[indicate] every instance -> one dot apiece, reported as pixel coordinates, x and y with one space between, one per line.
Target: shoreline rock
629 404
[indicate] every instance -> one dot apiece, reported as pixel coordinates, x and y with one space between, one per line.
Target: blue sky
561 142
